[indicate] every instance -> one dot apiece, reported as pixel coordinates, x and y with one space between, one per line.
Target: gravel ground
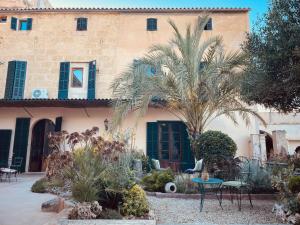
180 211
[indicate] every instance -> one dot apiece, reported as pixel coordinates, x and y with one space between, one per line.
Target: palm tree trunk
194 136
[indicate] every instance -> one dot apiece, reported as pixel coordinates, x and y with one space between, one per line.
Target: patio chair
156 165
199 165
239 182
17 163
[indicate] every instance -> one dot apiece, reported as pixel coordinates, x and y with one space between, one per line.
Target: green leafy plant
40 186
135 202
157 180
214 147
294 184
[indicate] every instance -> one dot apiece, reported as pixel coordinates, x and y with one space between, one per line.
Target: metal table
215 183
8 172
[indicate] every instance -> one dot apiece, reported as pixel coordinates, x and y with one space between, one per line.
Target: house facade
57 65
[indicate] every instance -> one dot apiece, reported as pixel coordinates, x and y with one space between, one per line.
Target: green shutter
63 80
10 80
13 24
188 160
152 140
19 80
58 123
5 137
21 139
15 80
92 80
29 23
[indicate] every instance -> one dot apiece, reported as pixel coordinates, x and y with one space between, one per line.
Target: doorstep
106 222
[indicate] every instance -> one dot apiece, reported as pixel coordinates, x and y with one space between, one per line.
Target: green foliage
157 180
294 184
110 214
40 186
213 146
83 191
195 79
272 76
135 202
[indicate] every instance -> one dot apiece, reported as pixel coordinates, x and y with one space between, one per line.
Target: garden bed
107 222
211 196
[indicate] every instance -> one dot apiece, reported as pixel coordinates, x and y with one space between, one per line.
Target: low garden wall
107 222
211 196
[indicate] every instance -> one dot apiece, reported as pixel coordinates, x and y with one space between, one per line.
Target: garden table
215 183
8 172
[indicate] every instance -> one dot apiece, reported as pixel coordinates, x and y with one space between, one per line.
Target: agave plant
193 78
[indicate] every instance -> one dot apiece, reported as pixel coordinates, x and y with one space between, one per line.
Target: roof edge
127 10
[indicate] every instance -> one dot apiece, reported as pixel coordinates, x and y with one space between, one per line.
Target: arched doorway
269 144
39 144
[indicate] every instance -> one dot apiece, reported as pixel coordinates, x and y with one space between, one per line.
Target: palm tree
195 80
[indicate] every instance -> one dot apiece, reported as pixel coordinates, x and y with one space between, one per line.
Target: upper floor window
24 24
208 26
77 77
3 19
149 69
15 80
82 24
151 24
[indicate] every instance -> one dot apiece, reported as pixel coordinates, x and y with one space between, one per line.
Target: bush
157 180
213 146
294 184
185 185
40 186
84 191
135 202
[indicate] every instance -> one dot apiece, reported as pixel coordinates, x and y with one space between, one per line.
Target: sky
258 7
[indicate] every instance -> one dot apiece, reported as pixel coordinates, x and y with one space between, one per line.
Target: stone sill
107 222
211 196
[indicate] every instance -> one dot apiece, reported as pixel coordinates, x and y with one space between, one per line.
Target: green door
21 140
5 137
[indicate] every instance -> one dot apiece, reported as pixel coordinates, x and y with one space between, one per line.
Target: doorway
39 145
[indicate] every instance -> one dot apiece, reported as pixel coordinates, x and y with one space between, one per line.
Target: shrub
135 202
294 184
157 180
185 185
40 186
84 191
213 146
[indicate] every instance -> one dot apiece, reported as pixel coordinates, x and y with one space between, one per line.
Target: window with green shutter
208 26
92 80
82 24
15 80
5 137
21 139
14 23
151 24
63 80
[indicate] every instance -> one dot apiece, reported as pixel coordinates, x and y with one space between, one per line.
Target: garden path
19 206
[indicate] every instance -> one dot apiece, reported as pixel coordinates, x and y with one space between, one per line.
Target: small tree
194 79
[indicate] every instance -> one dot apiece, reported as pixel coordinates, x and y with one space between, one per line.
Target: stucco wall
80 119
112 39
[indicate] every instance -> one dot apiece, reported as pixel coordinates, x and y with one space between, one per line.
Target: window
151 24
149 70
208 26
81 24
77 77
23 25
15 80
3 19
